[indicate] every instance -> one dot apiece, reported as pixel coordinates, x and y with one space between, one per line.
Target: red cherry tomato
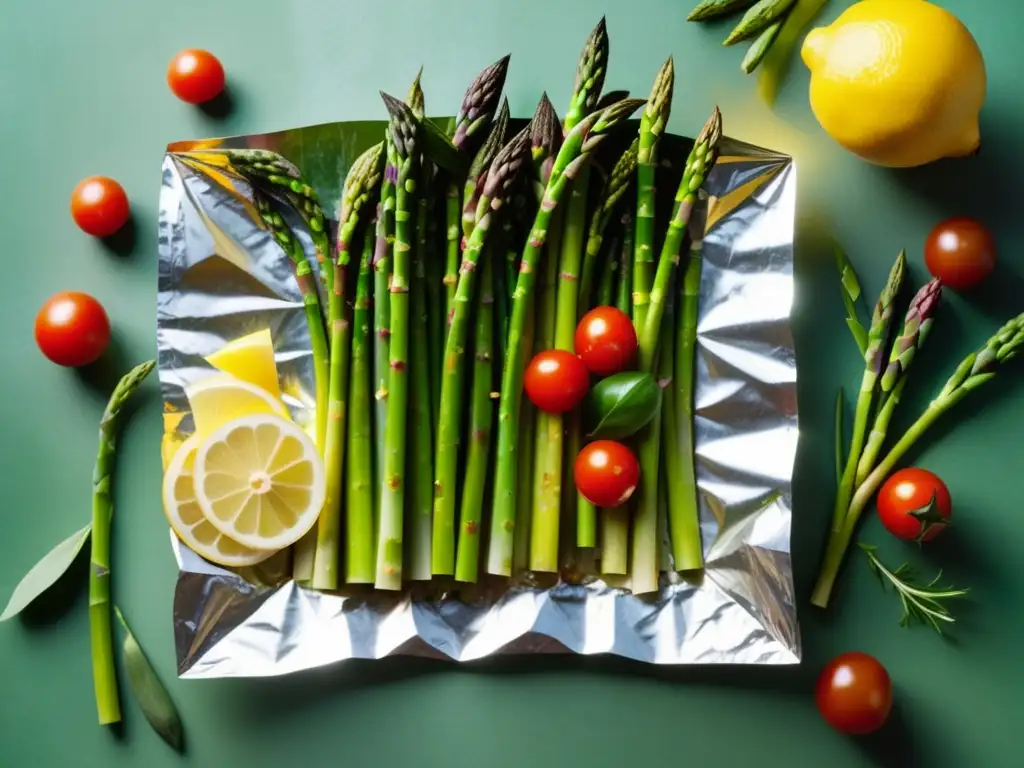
195 76
913 503
606 473
854 693
556 381
99 206
606 340
960 252
72 329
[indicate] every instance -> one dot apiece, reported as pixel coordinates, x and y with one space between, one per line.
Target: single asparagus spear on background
681 487
108 704
497 188
698 165
763 14
467 560
381 264
709 9
760 47
360 542
576 152
915 330
976 370
403 128
590 74
479 105
421 397
360 184
874 365
652 128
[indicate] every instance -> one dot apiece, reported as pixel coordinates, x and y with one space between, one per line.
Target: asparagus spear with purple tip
403 128
497 187
576 152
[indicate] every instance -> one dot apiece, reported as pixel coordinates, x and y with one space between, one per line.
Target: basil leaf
439 148
621 405
153 698
45 573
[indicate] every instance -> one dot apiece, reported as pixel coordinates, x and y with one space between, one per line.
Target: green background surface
82 92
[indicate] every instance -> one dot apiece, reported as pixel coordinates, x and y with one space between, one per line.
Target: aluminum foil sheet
221 276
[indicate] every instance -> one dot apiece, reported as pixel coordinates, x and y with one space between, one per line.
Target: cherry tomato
854 693
960 252
913 503
606 473
72 329
195 76
556 381
99 206
606 340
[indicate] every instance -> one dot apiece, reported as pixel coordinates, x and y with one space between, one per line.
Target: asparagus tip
711 133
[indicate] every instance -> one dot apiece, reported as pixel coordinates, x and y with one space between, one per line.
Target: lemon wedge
250 358
187 521
260 481
221 398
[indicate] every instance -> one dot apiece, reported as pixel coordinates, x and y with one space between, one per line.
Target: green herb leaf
153 698
851 294
919 603
45 573
840 407
439 148
621 405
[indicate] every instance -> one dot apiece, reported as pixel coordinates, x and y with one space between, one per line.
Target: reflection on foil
221 276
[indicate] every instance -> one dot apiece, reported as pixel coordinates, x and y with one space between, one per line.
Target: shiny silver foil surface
221 276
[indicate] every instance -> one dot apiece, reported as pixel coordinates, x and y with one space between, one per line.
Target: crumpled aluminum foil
221 276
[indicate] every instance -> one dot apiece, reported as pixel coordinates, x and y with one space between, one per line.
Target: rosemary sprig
920 603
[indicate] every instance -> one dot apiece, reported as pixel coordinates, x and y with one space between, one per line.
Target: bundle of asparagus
430 451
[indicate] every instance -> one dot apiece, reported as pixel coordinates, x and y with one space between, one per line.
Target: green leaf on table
153 698
439 148
621 405
851 294
45 573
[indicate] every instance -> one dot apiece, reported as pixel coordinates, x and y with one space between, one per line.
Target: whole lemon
898 82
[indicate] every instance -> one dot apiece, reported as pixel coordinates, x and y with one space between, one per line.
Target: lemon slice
260 481
186 518
251 359
218 399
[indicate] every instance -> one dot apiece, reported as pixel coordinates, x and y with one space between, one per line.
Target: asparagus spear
574 155
360 184
108 703
481 409
382 307
481 162
422 401
652 128
403 128
608 98
360 546
709 9
497 188
698 165
609 272
624 294
916 327
974 371
684 520
760 47
762 15
590 73
478 107
874 366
